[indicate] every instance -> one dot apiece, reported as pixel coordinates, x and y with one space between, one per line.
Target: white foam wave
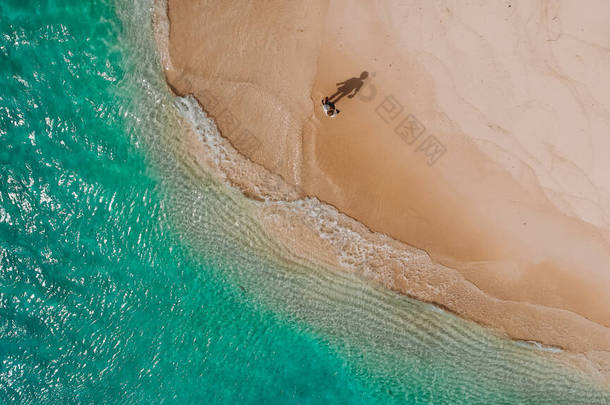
539 346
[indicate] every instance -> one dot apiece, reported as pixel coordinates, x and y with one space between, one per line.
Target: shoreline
416 273
219 157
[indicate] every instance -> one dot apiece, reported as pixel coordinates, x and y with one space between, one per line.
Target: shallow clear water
128 276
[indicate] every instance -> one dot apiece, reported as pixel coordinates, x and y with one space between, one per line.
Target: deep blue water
124 279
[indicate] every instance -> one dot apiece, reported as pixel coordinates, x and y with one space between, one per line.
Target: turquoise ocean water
126 276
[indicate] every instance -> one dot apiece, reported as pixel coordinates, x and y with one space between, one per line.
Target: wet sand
498 210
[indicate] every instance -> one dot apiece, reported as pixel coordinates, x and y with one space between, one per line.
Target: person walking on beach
329 108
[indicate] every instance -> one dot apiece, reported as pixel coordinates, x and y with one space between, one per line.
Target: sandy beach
469 169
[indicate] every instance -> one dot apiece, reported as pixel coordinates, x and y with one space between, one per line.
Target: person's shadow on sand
348 86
